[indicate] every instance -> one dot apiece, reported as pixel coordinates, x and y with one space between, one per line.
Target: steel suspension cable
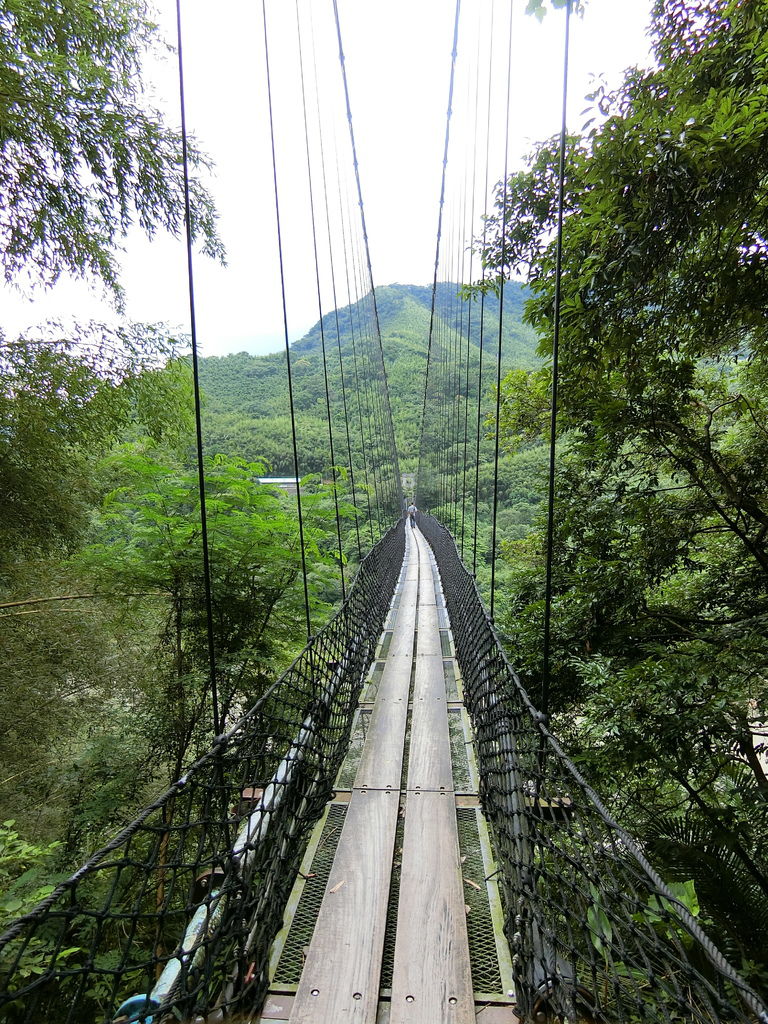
469 301
458 375
207 586
360 365
373 396
350 306
546 652
294 441
497 432
367 390
442 419
331 261
457 322
320 306
482 293
379 397
454 52
462 309
388 426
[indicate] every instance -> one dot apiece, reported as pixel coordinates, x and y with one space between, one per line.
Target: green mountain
247 410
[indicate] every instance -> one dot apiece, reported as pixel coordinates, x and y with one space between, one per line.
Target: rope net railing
175 917
595 934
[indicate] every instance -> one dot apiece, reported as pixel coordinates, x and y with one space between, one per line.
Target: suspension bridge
392 833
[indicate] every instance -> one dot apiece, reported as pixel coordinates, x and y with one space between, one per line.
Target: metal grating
348 770
389 622
451 685
371 688
388 956
486 976
462 780
445 643
406 752
303 925
386 640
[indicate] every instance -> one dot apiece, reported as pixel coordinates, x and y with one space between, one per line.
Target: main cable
207 586
482 293
335 295
469 300
285 327
454 52
546 652
388 425
320 306
494 521
351 305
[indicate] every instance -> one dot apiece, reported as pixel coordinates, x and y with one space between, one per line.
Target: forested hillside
246 410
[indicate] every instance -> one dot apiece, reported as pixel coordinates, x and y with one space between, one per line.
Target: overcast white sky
398 63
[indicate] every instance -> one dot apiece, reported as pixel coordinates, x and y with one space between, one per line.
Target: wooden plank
381 761
402 635
426 580
431 982
429 632
401 644
429 765
341 975
429 679
405 620
395 681
412 555
277 1007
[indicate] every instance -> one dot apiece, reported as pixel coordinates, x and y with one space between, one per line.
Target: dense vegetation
661 599
661 606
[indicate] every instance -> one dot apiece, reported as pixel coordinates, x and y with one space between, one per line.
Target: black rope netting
595 934
176 916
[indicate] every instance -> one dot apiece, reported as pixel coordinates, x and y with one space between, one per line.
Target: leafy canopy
63 402
83 154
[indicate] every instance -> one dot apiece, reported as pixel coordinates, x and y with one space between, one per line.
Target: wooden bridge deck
400 923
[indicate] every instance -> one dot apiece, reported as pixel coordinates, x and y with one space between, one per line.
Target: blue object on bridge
136 1009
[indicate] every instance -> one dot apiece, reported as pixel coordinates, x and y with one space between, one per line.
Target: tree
83 155
660 651
63 402
149 541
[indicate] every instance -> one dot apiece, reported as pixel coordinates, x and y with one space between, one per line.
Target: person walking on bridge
412 515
